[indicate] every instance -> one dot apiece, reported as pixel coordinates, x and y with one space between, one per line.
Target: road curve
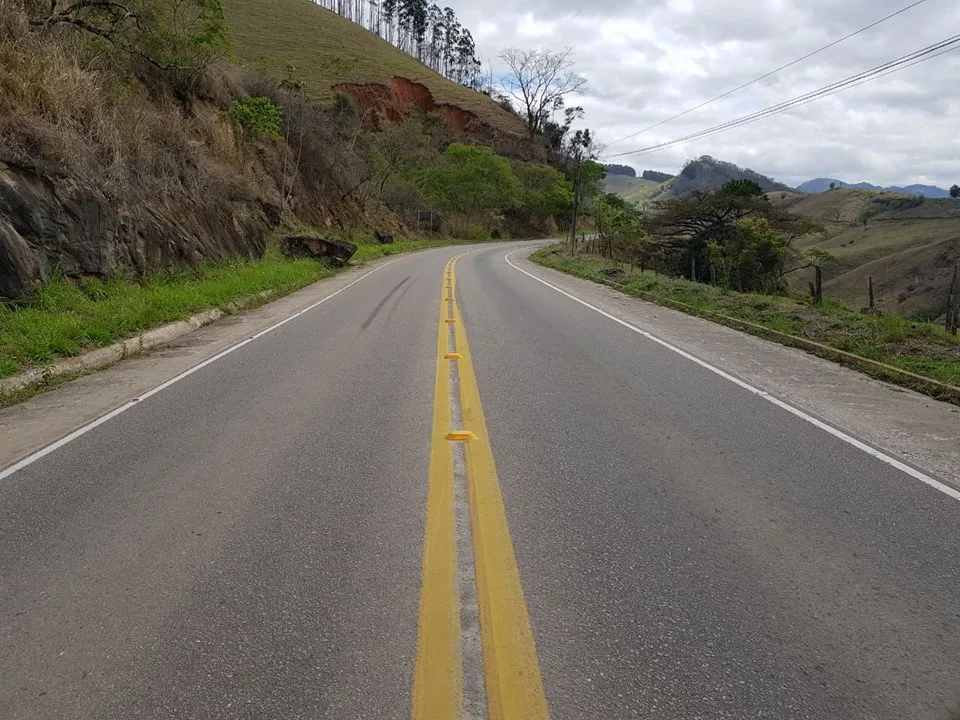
250 541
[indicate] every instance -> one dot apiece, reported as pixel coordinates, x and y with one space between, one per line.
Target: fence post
818 284
953 312
870 289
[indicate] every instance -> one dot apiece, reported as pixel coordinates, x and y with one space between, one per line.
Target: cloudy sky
647 60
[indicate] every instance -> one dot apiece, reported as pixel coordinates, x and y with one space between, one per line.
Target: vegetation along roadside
66 318
153 152
919 348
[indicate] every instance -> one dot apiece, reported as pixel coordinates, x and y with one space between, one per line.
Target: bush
258 117
463 227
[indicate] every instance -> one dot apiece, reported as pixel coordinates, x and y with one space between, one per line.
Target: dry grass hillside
631 189
624 185
329 50
908 245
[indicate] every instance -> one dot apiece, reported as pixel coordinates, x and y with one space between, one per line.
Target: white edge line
883 457
32 458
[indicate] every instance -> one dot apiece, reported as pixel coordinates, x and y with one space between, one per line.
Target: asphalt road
250 542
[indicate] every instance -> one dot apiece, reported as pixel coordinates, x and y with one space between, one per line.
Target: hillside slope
707 173
629 188
907 245
332 53
704 173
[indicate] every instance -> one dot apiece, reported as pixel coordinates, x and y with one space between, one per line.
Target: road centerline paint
446 660
511 669
837 433
438 671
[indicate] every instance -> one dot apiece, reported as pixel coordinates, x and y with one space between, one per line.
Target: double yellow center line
514 689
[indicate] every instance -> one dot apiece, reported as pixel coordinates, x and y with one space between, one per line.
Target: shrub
258 117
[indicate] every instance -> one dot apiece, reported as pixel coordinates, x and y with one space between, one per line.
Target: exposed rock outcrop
60 225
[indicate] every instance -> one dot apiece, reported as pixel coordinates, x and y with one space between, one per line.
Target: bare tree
539 80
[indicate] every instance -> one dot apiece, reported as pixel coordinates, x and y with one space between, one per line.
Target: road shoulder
43 419
911 427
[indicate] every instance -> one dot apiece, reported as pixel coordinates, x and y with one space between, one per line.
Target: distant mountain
818 185
930 191
823 185
620 170
707 173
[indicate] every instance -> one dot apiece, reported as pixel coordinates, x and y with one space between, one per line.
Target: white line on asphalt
30 459
883 457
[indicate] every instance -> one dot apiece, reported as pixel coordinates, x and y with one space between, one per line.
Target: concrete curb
102 357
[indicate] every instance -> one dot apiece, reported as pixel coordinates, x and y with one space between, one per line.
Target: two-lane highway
452 490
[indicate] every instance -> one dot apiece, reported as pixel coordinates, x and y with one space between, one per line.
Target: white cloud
647 60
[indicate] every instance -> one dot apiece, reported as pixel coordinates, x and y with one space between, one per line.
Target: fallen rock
319 248
381 238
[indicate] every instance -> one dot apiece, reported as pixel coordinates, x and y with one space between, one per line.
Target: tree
296 92
625 170
546 193
955 191
621 228
754 257
471 180
539 80
687 227
656 176
395 152
556 134
181 37
833 186
743 188
582 150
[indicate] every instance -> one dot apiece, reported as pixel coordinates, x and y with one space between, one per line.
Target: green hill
704 173
327 50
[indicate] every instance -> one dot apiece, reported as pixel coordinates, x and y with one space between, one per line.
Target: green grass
921 348
67 318
327 49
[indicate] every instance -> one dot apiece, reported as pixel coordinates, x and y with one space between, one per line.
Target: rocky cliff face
49 226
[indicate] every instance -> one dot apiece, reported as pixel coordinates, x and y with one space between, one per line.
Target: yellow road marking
511 670
438 675
461 435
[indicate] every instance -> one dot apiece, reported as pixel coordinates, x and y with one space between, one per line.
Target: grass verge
67 318
923 349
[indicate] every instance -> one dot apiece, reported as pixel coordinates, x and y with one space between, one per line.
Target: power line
901 63
772 72
859 79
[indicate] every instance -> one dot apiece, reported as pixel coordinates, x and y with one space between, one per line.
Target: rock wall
50 225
